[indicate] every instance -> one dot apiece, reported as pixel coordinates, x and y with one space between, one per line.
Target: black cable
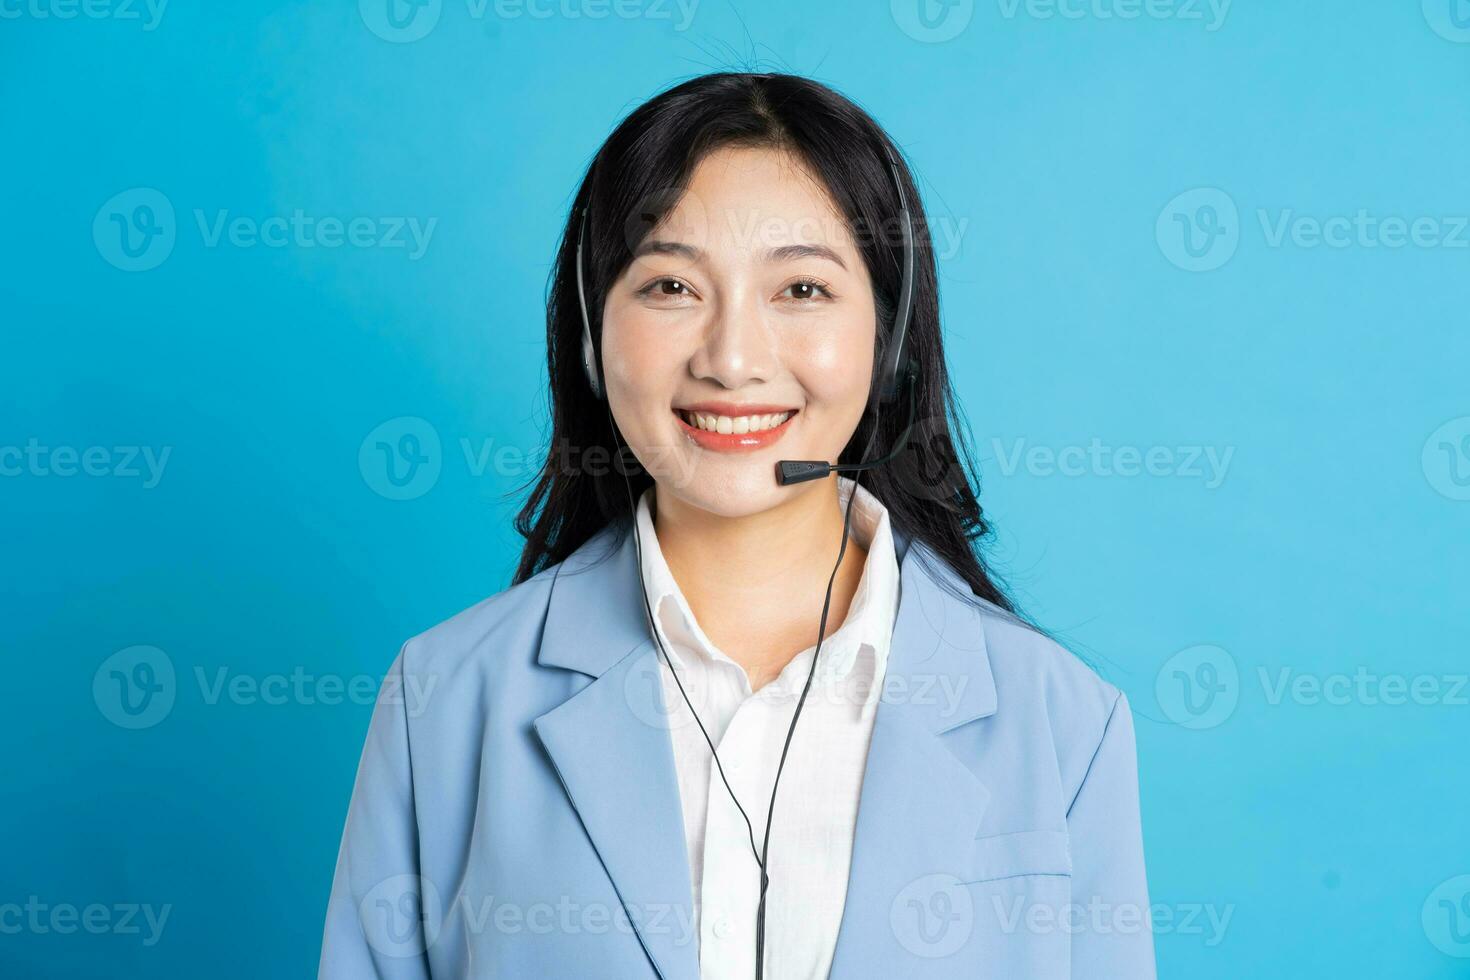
761 855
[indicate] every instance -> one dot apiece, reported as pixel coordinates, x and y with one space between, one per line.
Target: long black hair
633 181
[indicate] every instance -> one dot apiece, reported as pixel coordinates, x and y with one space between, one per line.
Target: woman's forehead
755 199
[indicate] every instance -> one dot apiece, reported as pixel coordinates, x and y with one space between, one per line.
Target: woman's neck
756 583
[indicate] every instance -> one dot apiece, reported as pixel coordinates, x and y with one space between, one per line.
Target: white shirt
816 806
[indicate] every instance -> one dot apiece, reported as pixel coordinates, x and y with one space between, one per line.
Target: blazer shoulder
1018 648
509 619
1037 676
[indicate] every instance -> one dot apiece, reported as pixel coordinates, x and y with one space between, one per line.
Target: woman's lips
733 442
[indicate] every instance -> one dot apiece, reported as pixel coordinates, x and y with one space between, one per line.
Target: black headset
895 372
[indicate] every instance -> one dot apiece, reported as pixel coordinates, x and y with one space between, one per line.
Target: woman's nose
738 347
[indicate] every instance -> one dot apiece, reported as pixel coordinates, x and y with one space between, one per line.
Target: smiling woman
652 726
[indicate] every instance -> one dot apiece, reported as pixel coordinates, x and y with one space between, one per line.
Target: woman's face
747 305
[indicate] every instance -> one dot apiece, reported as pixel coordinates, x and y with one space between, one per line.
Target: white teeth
736 425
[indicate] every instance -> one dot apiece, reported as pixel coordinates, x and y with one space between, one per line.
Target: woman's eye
807 289
665 287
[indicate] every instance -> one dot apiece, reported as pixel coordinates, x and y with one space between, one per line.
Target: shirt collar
870 616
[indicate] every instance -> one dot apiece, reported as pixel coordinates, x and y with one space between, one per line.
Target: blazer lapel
920 806
610 746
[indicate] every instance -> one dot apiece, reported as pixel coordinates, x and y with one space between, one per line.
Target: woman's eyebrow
783 253
788 252
657 246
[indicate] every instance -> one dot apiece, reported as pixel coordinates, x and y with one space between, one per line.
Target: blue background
1333 544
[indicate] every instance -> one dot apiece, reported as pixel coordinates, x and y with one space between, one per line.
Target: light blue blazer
516 812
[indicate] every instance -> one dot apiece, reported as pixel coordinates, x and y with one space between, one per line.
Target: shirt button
724 927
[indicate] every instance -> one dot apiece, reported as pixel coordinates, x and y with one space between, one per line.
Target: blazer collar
940 626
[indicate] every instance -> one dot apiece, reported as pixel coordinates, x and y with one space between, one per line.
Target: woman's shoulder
1024 662
1038 678
491 631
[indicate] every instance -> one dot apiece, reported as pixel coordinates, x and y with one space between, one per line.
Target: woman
650 757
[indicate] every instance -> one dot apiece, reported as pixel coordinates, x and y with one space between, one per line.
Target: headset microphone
789 471
895 372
